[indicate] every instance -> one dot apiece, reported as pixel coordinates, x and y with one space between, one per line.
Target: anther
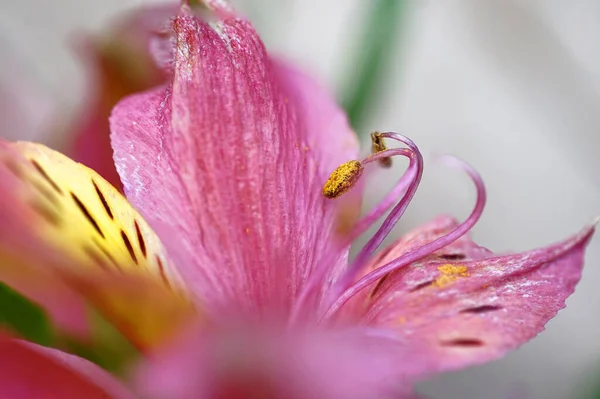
342 179
377 145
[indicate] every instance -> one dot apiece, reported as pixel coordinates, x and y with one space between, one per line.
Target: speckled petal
463 305
228 162
461 249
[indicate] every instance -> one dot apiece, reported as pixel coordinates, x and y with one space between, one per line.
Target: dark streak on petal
43 173
464 342
129 246
95 256
140 238
422 285
161 270
45 192
456 256
107 254
379 285
103 200
481 309
49 215
87 214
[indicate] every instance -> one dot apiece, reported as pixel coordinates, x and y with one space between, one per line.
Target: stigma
342 179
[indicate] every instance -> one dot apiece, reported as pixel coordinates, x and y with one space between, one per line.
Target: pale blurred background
511 86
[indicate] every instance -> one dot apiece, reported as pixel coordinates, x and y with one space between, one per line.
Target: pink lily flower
227 264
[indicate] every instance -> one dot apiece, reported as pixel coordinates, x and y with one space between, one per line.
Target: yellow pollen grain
450 273
342 179
247 230
378 145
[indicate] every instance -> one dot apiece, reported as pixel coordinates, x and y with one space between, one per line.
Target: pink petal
463 305
461 249
32 371
245 362
227 164
118 63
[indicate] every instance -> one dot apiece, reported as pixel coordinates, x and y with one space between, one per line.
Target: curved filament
414 174
404 184
424 250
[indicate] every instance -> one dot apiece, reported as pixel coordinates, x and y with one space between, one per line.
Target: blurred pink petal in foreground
233 279
32 371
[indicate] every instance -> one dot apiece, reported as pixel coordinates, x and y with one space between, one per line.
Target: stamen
342 179
415 171
422 251
377 145
405 182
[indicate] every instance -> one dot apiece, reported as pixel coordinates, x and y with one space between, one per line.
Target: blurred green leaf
375 48
596 391
107 346
21 316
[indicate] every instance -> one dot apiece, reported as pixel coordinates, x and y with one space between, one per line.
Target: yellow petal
86 233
